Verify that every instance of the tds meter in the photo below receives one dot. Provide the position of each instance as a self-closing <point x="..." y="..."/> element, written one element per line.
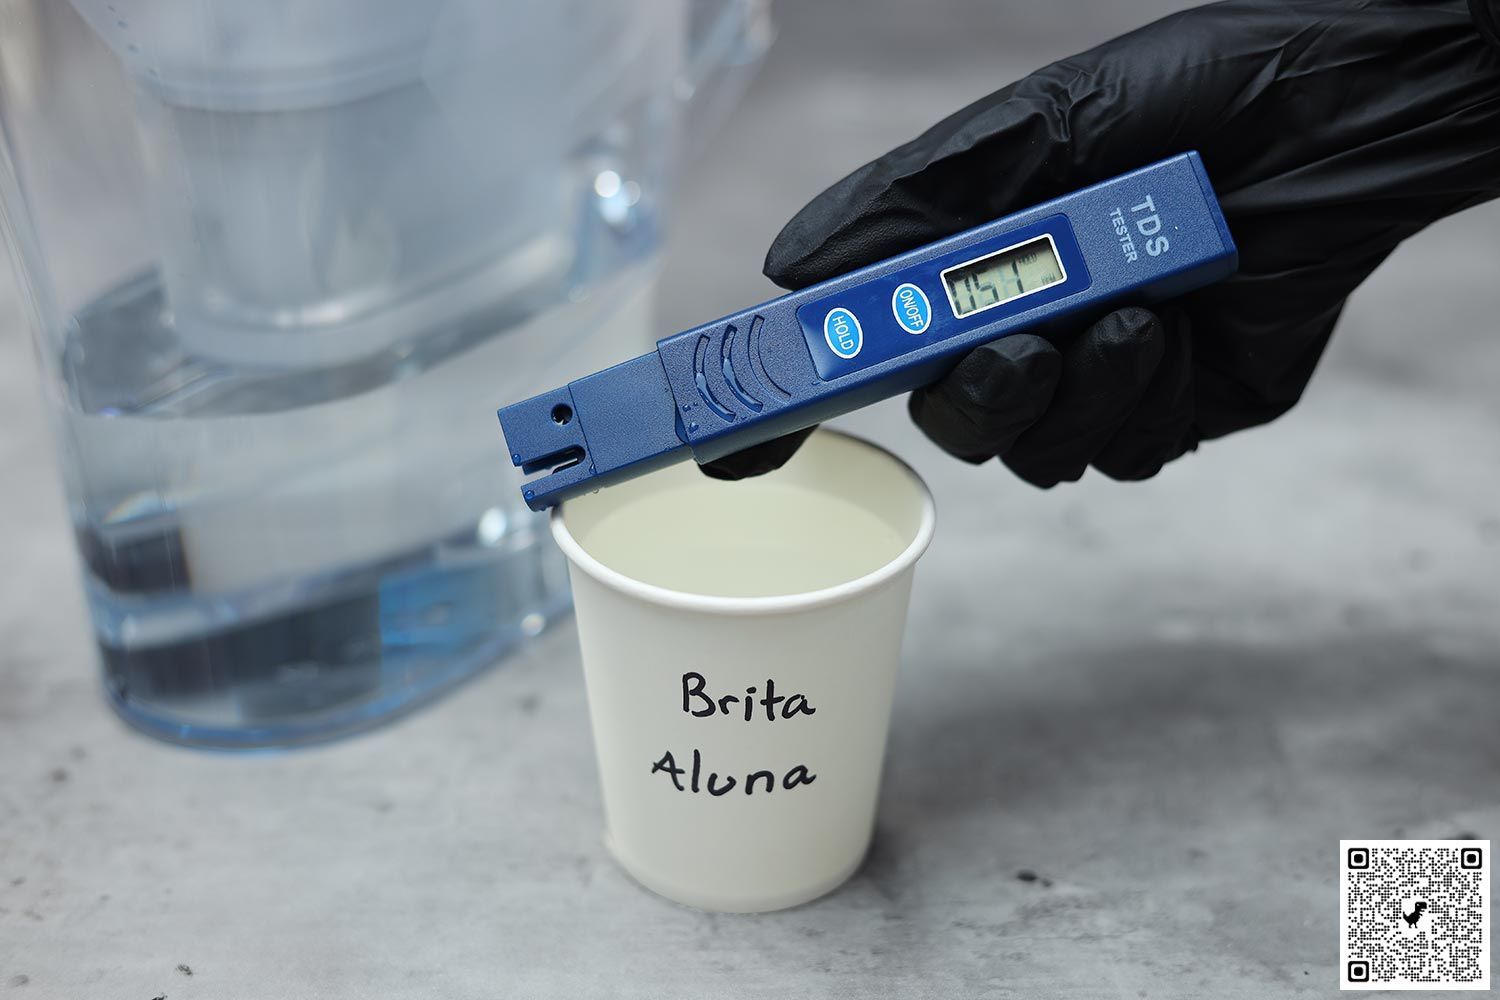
<point x="1145" y="236"/>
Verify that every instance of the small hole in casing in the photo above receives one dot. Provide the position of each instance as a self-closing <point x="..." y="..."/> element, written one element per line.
<point x="562" y="413"/>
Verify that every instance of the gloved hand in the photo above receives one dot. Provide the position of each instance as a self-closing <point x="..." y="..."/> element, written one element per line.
<point x="1332" y="130"/>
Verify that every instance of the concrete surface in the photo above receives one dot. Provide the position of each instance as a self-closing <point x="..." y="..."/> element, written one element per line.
<point x="1169" y="700"/>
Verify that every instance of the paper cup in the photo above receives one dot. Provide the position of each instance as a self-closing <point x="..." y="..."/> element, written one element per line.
<point x="740" y="644"/>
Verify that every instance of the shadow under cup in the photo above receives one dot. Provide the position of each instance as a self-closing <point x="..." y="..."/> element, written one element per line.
<point x="740" y="644"/>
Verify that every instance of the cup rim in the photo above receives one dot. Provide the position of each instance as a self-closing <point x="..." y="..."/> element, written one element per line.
<point x="774" y="604"/>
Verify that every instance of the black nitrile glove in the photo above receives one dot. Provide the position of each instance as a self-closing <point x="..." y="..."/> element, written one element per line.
<point x="1332" y="130"/>
<point x="1487" y="17"/>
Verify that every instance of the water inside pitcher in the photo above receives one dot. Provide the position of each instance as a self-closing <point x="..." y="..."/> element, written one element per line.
<point x="283" y="260"/>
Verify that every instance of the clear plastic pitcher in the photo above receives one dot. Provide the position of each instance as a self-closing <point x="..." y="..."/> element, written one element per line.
<point x="282" y="260"/>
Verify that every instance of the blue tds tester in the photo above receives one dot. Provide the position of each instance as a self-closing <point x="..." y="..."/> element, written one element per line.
<point x="1148" y="235"/>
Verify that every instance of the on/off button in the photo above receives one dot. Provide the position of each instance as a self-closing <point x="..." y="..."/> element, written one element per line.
<point x="911" y="308"/>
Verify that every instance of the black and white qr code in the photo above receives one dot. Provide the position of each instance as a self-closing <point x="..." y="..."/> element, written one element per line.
<point x="1414" y="914"/>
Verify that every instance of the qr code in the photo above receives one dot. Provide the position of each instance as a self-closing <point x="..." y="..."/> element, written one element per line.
<point x="1414" y="915"/>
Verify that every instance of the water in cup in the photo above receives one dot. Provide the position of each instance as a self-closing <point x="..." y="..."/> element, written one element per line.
<point x="800" y="540"/>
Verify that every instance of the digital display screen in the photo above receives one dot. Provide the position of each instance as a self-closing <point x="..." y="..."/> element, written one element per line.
<point x="990" y="281"/>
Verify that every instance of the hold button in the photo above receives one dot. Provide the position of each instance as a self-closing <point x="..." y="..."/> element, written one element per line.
<point x="842" y="332"/>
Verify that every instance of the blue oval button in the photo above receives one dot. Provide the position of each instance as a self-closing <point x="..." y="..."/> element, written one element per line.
<point x="911" y="307"/>
<point x="841" y="330"/>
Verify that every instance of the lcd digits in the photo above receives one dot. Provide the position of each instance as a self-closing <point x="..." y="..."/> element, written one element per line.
<point x="1001" y="277"/>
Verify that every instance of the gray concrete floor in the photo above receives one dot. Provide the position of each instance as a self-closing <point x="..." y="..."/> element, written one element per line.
<point x="1169" y="699"/>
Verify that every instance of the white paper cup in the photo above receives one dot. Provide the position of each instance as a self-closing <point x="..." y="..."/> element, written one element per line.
<point x="691" y="592"/>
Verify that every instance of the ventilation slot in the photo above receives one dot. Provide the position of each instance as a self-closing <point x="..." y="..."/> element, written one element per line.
<point x="730" y="378"/>
<point x="757" y="363"/>
<point x="700" y="355"/>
